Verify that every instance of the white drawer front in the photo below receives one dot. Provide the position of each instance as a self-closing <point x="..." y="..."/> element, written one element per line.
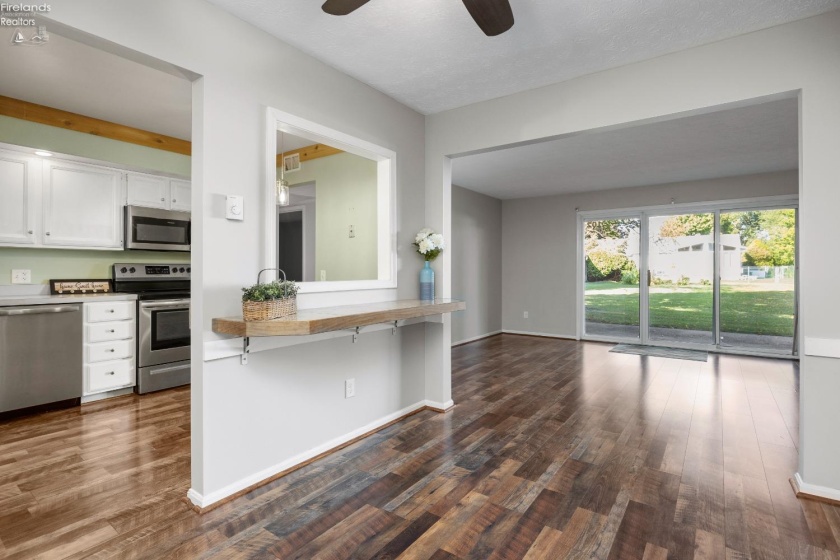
<point x="106" y="351"/>
<point x="116" y="330"/>
<point x="109" y="311"/>
<point x="110" y="375"/>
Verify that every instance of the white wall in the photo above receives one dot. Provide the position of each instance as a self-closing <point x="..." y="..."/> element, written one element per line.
<point x="541" y="236"/>
<point x="247" y="420"/>
<point x="799" y="59"/>
<point x="476" y="247"/>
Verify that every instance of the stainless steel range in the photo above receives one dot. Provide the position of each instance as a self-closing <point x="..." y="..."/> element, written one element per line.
<point x="163" y="321"/>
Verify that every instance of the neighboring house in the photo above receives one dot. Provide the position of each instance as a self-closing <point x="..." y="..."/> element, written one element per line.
<point x="693" y="256"/>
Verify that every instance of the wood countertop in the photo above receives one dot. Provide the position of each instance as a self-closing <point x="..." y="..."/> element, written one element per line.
<point x="343" y="317"/>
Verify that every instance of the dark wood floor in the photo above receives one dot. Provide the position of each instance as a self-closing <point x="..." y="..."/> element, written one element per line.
<point x="556" y="449"/>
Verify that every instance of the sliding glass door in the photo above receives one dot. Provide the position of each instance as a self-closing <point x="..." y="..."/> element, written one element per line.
<point x="710" y="277"/>
<point x="611" y="283"/>
<point x="758" y="280"/>
<point x="681" y="271"/>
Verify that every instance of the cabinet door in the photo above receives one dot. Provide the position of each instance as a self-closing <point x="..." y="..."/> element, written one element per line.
<point x="82" y="205"/>
<point x="180" y="194"/>
<point x="147" y="190"/>
<point x="17" y="201"/>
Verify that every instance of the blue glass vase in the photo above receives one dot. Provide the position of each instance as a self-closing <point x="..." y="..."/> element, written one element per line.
<point x="427" y="283"/>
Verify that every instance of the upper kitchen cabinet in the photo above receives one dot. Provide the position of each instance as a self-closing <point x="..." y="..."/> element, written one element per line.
<point x="19" y="181"/>
<point x="153" y="191"/>
<point x="180" y="195"/>
<point x="82" y="205"/>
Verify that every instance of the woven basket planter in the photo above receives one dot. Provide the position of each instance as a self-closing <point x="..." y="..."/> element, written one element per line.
<point x="267" y="310"/>
<point x="272" y="308"/>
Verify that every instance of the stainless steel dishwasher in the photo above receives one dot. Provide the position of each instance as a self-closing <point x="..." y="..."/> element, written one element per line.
<point x="40" y="357"/>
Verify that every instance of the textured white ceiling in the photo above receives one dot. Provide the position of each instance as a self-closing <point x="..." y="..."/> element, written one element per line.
<point x="754" y="139"/>
<point x="75" y="77"/>
<point x="431" y="56"/>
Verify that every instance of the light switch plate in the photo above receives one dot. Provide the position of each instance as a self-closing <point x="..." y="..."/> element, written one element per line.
<point x="235" y="207"/>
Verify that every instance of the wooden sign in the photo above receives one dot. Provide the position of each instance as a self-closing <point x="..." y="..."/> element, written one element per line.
<point x="59" y="287"/>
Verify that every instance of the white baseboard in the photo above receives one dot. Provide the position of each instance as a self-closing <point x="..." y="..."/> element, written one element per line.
<point x="439" y="405"/>
<point x="107" y="395"/>
<point x="822" y="347"/>
<point x="479" y="337"/>
<point x="206" y="500"/>
<point x="816" y="490"/>
<point x="545" y="335"/>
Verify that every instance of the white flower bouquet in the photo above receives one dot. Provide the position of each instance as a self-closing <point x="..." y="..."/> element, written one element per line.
<point x="429" y="244"/>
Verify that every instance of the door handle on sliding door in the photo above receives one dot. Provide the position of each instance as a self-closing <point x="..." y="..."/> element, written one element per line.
<point x="649" y="278"/>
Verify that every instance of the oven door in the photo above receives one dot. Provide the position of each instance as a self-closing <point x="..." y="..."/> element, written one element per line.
<point x="163" y="331"/>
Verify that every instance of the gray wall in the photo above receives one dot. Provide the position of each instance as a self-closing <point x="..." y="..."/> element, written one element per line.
<point x="539" y="245"/>
<point x="477" y="263"/>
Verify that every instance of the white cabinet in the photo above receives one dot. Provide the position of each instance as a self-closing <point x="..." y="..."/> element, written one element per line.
<point x="109" y="346"/>
<point x="153" y="191"/>
<point x="147" y="190"/>
<point x="81" y="205"/>
<point x="180" y="195"/>
<point x="19" y="179"/>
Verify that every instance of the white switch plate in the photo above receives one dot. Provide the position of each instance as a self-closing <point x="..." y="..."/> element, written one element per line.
<point x="234" y="207"/>
<point x="349" y="388"/>
<point x="352" y="231"/>
<point x="323" y="276"/>
<point x="21" y="276"/>
<point x="524" y="314"/>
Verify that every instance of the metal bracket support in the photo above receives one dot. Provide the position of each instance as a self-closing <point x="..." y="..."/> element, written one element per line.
<point x="356" y="334"/>
<point x="394" y="328"/>
<point x="246" y="345"/>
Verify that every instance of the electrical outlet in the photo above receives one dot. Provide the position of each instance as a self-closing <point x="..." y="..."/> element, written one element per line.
<point x="525" y="314"/>
<point x="352" y="231"/>
<point x="349" y="388"/>
<point x="323" y="276"/>
<point x="21" y="276"/>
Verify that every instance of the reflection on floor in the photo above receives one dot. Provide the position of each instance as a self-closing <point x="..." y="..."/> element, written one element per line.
<point x="555" y="449"/>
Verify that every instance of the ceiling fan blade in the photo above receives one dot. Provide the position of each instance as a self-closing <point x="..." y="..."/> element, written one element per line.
<point x="494" y="17"/>
<point x="342" y="7"/>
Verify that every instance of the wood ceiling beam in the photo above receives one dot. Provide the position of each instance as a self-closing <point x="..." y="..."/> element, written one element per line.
<point x="307" y="153"/>
<point x="42" y="114"/>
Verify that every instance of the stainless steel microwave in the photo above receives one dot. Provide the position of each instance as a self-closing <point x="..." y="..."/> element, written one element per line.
<point x="153" y="229"/>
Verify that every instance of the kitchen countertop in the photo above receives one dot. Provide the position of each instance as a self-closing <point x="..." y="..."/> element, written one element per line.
<point x="6" y="301"/>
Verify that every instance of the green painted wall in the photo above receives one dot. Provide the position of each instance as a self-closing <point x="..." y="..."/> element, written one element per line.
<point x="63" y="141"/>
<point x="345" y="194"/>
<point x="73" y="263"/>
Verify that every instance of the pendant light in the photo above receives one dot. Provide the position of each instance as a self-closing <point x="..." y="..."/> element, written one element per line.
<point x="282" y="189"/>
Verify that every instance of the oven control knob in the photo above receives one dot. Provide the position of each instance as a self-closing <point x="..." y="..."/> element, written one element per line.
<point x="132" y="270"/>
<point x="188" y="269"/>
<point x="181" y="269"/>
<point x="123" y="270"/>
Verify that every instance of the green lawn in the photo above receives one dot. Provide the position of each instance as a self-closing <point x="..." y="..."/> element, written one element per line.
<point x="745" y="308"/>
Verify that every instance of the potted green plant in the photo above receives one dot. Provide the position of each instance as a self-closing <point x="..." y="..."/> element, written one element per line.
<point x="272" y="300"/>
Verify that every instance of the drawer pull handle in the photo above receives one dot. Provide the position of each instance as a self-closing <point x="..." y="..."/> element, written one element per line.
<point x="110" y="350"/>
<point x="109" y="311"/>
<point x="109" y="373"/>
<point x="110" y="331"/>
<point x="163" y="200"/>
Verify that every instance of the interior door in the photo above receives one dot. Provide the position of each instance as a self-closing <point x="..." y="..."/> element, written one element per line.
<point x="290" y="244"/>
<point x="680" y="279"/>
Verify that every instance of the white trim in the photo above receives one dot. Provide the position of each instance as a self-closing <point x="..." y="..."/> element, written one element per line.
<point x="542" y="334"/>
<point x="734" y="205"/>
<point x="386" y="197"/>
<point x="438" y="405"/>
<point x="479" y="337"/>
<point x="107" y="395"/>
<point x="230" y="347"/>
<point x="822" y="347"/>
<point x="816" y="490"/>
<point x="204" y="501"/>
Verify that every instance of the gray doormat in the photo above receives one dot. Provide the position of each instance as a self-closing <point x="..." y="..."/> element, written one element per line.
<point x="660" y="352"/>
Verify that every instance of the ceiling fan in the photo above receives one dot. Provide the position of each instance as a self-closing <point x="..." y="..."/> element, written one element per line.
<point x="494" y="17"/>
